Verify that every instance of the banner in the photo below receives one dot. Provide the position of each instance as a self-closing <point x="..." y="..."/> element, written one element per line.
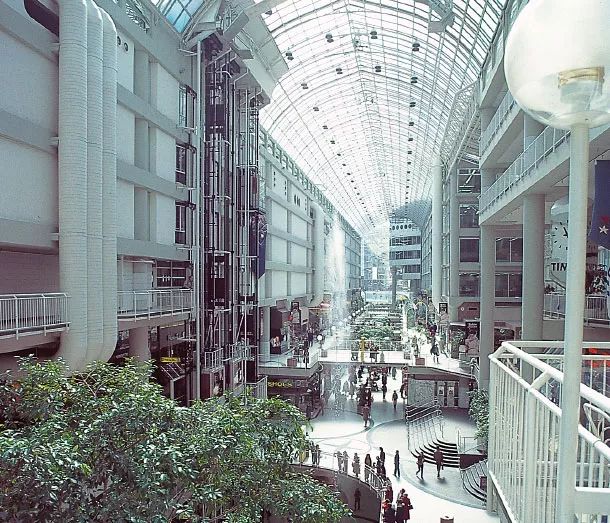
<point x="472" y="337"/>
<point x="600" y="221"/>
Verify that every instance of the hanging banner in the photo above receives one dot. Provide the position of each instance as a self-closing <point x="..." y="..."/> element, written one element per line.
<point x="472" y="336"/>
<point x="600" y="221"/>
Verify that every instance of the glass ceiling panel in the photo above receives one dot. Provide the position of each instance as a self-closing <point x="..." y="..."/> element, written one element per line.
<point x="363" y="108"/>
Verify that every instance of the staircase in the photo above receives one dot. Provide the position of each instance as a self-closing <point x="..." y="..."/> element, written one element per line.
<point x="451" y="457"/>
<point x="471" y="480"/>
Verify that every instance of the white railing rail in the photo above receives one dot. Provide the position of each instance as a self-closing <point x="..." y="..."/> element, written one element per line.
<point x="546" y="143"/>
<point x="153" y="302"/>
<point x="22" y="314"/>
<point x="239" y="351"/>
<point x="258" y="389"/>
<point x="596" y="307"/>
<point x="525" y="394"/>
<point x="212" y="359"/>
<point x="506" y="105"/>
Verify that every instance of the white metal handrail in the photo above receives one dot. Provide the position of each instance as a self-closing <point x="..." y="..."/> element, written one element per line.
<point x="153" y="302"/>
<point x="239" y="351"/>
<point x="22" y="314"/>
<point x="596" y="307"/>
<point x="525" y="392"/>
<point x="506" y="105"/>
<point x="212" y="359"/>
<point x="546" y="142"/>
<point x="258" y="389"/>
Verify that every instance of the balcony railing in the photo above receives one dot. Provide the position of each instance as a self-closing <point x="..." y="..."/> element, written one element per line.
<point x="154" y="302"/>
<point x="258" y="389"/>
<point x="545" y="144"/>
<point x="212" y="359"/>
<point x="596" y="307"/>
<point x="237" y="352"/>
<point x="525" y="398"/>
<point x="506" y="105"/>
<point x="23" y="314"/>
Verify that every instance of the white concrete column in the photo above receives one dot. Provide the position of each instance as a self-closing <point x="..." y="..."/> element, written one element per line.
<point x="454" y="251"/>
<point x="437" y="232"/>
<point x="265" y="346"/>
<point x="488" y="300"/>
<point x="138" y="344"/>
<point x="141" y="77"/>
<point x="394" y="284"/>
<point x="533" y="267"/>
<point x="141" y="208"/>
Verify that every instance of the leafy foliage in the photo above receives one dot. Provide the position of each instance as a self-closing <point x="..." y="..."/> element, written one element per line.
<point x="479" y="412"/>
<point x="105" y="445"/>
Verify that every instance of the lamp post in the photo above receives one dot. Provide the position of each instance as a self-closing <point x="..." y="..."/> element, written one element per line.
<point x="557" y="66"/>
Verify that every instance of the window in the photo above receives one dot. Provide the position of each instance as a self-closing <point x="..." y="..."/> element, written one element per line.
<point x="186" y="107"/>
<point x="469" y="284"/>
<point x="469" y="218"/>
<point x="509" y="249"/>
<point x="411" y="269"/>
<point x="184" y="164"/>
<point x="180" y="234"/>
<point x="405" y="255"/>
<point x="469" y="249"/>
<point x="469" y="181"/>
<point x="508" y="285"/>
<point x="171" y="274"/>
<point x="405" y="240"/>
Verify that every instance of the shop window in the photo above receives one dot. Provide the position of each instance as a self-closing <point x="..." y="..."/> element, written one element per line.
<point x="469" y="249"/>
<point x="469" y="284"/>
<point x="469" y="216"/>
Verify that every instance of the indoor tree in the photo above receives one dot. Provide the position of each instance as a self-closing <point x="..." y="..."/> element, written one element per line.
<point x="105" y="445"/>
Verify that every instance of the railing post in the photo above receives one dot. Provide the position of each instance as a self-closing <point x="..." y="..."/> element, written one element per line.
<point x="44" y="313"/>
<point x="16" y="317"/>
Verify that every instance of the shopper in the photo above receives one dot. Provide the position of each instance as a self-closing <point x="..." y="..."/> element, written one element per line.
<point x="420" y="464"/>
<point x="389" y="491"/>
<point x="384" y="390"/>
<point x="368" y="467"/>
<point x="356" y="465"/>
<point x="438" y="459"/>
<point x="357" y="496"/>
<point x="339" y="456"/>
<point x="395" y="399"/>
<point x="366" y="413"/>
<point x="434" y="352"/>
<point x="381" y="455"/>
<point x="389" y="515"/>
<point x="408" y="507"/>
<point x="393" y="373"/>
<point x="400" y="512"/>
<point x="318" y="454"/>
<point x="396" y="464"/>
<point x="345" y="461"/>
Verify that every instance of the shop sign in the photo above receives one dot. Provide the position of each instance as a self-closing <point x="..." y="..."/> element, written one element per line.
<point x="170" y="359"/>
<point x="284" y="384"/>
<point x="443" y="311"/>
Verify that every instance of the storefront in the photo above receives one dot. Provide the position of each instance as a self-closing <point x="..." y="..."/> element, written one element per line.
<point x="301" y="392"/>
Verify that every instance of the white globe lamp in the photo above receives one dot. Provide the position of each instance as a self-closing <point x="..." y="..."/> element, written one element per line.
<point x="557" y="66"/>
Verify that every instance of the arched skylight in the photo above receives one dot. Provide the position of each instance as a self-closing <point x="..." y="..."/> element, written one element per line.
<point x="364" y="106"/>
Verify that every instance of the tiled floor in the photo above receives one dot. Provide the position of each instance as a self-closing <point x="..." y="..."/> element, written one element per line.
<point x="431" y="498"/>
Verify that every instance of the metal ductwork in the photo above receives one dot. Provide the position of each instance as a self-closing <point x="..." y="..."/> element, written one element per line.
<point x="109" y="190"/>
<point x="87" y="180"/>
<point x="95" y="116"/>
<point x="318" y="256"/>
<point x="72" y="178"/>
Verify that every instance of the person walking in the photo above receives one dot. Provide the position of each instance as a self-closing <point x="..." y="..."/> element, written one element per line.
<point x="434" y="352"/>
<point x="357" y="496"/>
<point x="397" y="464"/>
<point x="339" y="456"/>
<point x="408" y="507"/>
<point x="395" y="399"/>
<point x="366" y="413"/>
<point x="393" y="373"/>
<point x="384" y="390"/>
<point x="389" y="515"/>
<point x="438" y="459"/>
<point x="389" y="491"/>
<point x="318" y="454"/>
<point x="356" y="465"/>
<point x="420" y="464"/>
<point x="381" y="455"/>
<point x="345" y="461"/>
<point x="368" y="467"/>
<point x="400" y="512"/>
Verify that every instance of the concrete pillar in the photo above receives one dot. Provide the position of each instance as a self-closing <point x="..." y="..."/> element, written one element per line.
<point x="265" y="345"/>
<point x="488" y="300"/>
<point x="141" y="219"/>
<point x="437" y="232"/>
<point x="142" y="145"/>
<point x="393" y="271"/>
<point x="138" y="344"/>
<point x="141" y="77"/>
<point x="533" y="267"/>
<point x="454" y="251"/>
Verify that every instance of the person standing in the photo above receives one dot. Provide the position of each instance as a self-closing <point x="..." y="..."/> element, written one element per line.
<point x="395" y="399"/>
<point x="397" y="464"/>
<point x="393" y="373"/>
<point x="381" y="455"/>
<point x="438" y="459"/>
<point x="389" y="491"/>
<point x="318" y="454"/>
<point x="384" y="390"/>
<point x="339" y="460"/>
<point x="357" y="496"/>
<point x="356" y="465"/>
<point x="408" y="507"/>
<point x="368" y="467"/>
<point x="345" y="461"/>
<point x="420" y="464"/>
<point x="366" y="413"/>
<point x="434" y="352"/>
<point x="400" y="512"/>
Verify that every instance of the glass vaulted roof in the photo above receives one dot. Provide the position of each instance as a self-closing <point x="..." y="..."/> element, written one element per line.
<point x="366" y="101"/>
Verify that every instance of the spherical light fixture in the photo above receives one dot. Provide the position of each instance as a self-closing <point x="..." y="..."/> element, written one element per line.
<point x="557" y="62"/>
<point x="319" y="337"/>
